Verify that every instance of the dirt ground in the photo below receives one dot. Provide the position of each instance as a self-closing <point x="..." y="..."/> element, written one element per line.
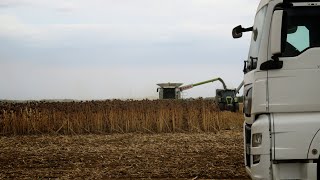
<point x="124" y="156"/>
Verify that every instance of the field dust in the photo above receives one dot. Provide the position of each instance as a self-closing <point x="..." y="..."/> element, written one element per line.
<point x="124" y="156"/>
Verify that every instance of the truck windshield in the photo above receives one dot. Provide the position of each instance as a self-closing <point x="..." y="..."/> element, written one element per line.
<point x="303" y="30"/>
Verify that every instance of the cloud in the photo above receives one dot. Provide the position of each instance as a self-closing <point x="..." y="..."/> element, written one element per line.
<point x="58" y="6"/>
<point x="30" y="81"/>
<point x="10" y="3"/>
<point x="118" y="49"/>
<point x="12" y="27"/>
<point x="139" y="20"/>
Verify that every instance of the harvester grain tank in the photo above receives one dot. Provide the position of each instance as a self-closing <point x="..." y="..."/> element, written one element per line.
<point x="169" y="90"/>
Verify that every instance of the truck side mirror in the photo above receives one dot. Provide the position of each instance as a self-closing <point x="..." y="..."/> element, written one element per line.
<point x="276" y="33"/>
<point x="237" y="32"/>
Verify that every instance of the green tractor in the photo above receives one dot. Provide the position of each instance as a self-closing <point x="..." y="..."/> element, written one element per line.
<point x="227" y="100"/>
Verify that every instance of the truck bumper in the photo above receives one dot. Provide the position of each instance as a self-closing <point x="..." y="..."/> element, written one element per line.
<point x="260" y="170"/>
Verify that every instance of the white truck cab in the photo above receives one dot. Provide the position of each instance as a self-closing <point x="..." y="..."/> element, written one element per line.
<point x="282" y="91"/>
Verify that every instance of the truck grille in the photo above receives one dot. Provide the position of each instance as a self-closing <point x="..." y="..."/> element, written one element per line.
<point x="248" y="144"/>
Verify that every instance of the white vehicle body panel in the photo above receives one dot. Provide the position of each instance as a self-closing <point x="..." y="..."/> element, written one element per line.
<point x="298" y="80"/>
<point x="263" y="150"/>
<point x="305" y="171"/>
<point x="315" y="145"/>
<point x="284" y="107"/>
<point x="293" y="134"/>
<point x="260" y="104"/>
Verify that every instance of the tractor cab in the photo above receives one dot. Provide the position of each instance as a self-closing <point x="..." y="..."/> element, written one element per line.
<point x="226" y="100"/>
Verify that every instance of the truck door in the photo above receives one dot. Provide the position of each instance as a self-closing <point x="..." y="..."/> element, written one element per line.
<point x="295" y="87"/>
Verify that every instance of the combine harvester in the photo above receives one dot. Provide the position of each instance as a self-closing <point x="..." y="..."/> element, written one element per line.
<point x="226" y="98"/>
<point x="281" y="91"/>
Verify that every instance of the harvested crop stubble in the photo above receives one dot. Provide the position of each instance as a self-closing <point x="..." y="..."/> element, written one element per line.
<point x="115" y="116"/>
<point x="124" y="156"/>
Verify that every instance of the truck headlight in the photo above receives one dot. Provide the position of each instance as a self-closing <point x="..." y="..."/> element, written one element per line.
<point x="256" y="139"/>
<point x="235" y="99"/>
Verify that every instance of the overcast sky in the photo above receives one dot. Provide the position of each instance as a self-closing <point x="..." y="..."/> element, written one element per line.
<point x="105" y="49"/>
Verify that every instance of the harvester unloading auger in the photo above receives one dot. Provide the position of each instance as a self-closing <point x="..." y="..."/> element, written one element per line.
<point x="225" y="98"/>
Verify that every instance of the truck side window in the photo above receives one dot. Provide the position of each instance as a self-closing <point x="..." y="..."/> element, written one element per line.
<point x="297" y="41"/>
<point x="302" y="30"/>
